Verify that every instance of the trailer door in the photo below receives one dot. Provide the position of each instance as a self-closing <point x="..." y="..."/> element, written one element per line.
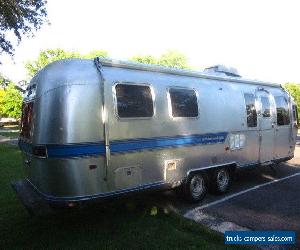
<point x="266" y="119"/>
<point x="284" y="137"/>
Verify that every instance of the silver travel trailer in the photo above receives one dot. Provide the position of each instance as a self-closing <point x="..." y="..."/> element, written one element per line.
<point x="99" y="128"/>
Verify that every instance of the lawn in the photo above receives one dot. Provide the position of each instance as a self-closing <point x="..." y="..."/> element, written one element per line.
<point x="10" y="134"/>
<point x="11" y="131"/>
<point x="125" y="224"/>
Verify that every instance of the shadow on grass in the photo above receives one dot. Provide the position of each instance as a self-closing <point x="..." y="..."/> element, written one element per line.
<point x="124" y="223"/>
<point x="121" y="224"/>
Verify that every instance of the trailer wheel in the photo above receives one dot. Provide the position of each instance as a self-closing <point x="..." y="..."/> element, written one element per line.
<point x="221" y="180"/>
<point x="195" y="187"/>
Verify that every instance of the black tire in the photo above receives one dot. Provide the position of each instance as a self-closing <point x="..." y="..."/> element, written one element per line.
<point x="195" y="187"/>
<point x="221" y="180"/>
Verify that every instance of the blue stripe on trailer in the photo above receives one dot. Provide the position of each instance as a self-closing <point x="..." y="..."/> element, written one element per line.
<point x="165" y="142"/>
<point x="70" y="150"/>
<point x="75" y="150"/>
<point x="123" y="146"/>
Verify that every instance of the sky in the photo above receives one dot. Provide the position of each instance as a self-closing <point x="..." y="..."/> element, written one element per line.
<point x="261" y="39"/>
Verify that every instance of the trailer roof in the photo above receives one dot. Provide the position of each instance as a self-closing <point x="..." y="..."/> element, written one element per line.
<point x="181" y="72"/>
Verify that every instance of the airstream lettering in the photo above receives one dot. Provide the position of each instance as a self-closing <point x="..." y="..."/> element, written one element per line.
<point x="95" y="129"/>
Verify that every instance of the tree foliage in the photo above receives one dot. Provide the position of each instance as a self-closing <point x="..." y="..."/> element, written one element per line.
<point x="95" y="53"/>
<point x="148" y="59"/>
<point x="4" y="82"/>
<point x="294" y="91"/>
<point x="10" y="102"/>
<point x="10" y="99"/>
<point x="47" y="56"/>
<point x="20" y="17"/>
<point x="171" y="58"/>
<point x="174" y="59"/>
<point x="50" y="55"/>
<point x="2" y="94"/>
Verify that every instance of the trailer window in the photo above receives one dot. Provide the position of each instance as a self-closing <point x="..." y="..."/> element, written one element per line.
<point x="26" y="120"/>
<point x="282" y="108"/>
<point x="183" y="102"/>
<point x="265" y="106"/>
<point x="295" y="113"/>
<point x="134" y="100"/>
<point x="250" y="110"/>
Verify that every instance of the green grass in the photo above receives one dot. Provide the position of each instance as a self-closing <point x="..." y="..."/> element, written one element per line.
<point x="10" y="134"/>
<point x="108" y="226"/>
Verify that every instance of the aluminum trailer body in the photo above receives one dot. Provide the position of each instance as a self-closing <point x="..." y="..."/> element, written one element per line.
<point x="95" y="129"/>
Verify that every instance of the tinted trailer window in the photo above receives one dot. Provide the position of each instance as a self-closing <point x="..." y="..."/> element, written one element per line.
<point x="183" y="102"/>
<point x="295" y="113"/>
<point x="282" y="108"/>
<point x="26" y="120"/>
<point x="265" y="107"/>
<point x="134" y="101"/>
<point x="250" y="110"/>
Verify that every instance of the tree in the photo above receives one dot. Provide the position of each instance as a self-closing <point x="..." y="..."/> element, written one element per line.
<point x="19" y="17"/>
<point x="171" y="58"/>
<point x="175" y="59"/>
<point x="95" y="53"/>
<point x="294" y="91"/>
<point x="47" y="56"/>
<point x="148" y="59"/>
<point x="50" y="55"/>
<point x="2" y="94"/>
<point x="4" y="82"/>
<point x="22" y="85"/>
<point x="10" y="102"/>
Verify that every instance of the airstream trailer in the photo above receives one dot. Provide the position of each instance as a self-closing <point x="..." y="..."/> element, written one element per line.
<point x="100" y="128"/>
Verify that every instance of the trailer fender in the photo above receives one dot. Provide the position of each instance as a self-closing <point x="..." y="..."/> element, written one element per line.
<point x="211" y="171"/>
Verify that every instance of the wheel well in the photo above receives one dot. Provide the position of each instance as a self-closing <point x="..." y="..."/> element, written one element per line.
<point x="209" y="170"/>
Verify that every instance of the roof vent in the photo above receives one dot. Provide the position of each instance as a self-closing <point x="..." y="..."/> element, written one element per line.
<point x="222" y="70"/>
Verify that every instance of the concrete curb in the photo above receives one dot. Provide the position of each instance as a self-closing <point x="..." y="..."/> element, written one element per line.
<point x="7" y="140"/>
<point x="4" y="139"/>
<point x="213" y="223"/>
<point x="219" y="225"/>
<point x="9" y="130"/>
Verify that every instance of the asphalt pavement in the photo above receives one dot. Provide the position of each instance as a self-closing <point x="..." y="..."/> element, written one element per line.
<point x="261" y="198"/>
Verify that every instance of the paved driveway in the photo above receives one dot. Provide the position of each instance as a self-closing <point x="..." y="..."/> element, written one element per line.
<point x="260" y="199"/>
